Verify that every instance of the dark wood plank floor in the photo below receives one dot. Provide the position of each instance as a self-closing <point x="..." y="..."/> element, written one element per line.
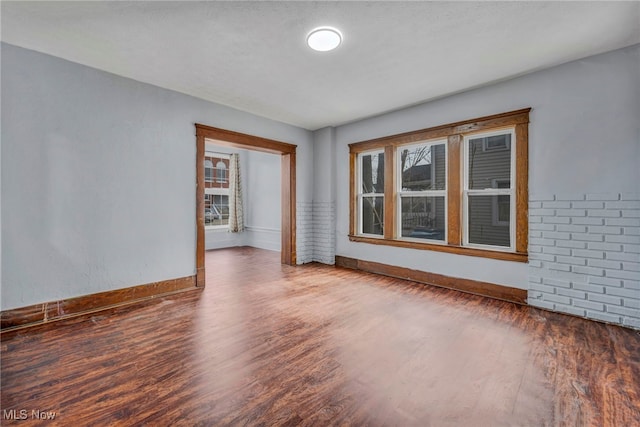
<point x="267" y="344"/>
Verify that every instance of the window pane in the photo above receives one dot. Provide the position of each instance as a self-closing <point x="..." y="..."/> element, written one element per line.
<point x="489" y="160"/>
<point x="373" y="215"/>
<point x="216" y="209"/>
<point x="489" y="220"/>
<point x="423" y="217"/>
<point x="208" y="171"/>
<point x="423" y="168"/>
<point x="373" y="173"/>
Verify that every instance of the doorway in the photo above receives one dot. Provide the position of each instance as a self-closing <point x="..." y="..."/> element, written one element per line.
<point x="233" y="139"/>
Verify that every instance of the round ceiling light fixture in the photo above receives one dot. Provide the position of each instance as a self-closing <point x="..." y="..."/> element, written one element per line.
<point x="324" y="39"/>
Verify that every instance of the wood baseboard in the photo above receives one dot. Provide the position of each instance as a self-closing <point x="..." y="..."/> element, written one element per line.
<point x="506" y="293"/>
<point x="39" y="314"/>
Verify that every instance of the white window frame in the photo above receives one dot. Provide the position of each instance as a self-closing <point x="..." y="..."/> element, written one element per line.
<point x="216" y="191"/>
<point x="466" y="192"/>
<point x="362" y="195"/>
<point x="424" y="193"/>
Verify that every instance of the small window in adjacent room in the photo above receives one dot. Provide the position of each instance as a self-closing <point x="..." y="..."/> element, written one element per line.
<point x="216" y="197"/>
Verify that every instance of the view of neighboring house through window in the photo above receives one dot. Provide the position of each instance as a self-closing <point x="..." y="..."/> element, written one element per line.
<point x="216" y="192"/>
<point x="371" y="195"/>
<point x="422" y="186"/>
<point x="488" y="192"/>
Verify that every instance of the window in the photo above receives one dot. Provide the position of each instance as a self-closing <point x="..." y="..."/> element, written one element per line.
<point x="208" y="171"/>
<point x="221" y="172"/>
<point x="421" y="193"/>
<point x="371" y="193"/>
<point x="216" y="197"/>
<point x="459" y="188"/>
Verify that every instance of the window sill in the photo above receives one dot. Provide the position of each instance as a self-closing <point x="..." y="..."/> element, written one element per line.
<point x="459" y="250"/>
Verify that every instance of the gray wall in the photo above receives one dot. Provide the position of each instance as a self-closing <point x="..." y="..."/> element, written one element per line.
<point x="98" y="177"/>
<point x="583" y="136"/>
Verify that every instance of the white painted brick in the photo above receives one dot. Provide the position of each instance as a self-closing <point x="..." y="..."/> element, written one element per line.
<point x="634" y="323"/>
<point x="631" y="284"/>
<point x="630" y="213"/>
<point x="556" y="204"/>
<point x="534" y="294"/>
<point x="629" y="204"/>
<point x="572" y="212"/>
<point x="556" y="220"/>
<point x="560" y="267"/>
<point x="571" y="310"/>
<point x="535" y="205"/>
<point x="587" y="237"/>
<point x="571" y="244"/>
<point x="542" y="212"/>
<point x="541" y="288"/>
<point x="535" y="219"/>
<point x="556" y="235"/>
<point x="571" y="260"/>
<point x="624" y="311"/>
<point x="534" y="249"/>
<point x="541" y="197"/>
<point x="535" y="279"/>
<point x="605" y="317"/>
<point x="612" y="265"/>
<point x="591" y="305"/>
<point x="632" y="231"/>
<point x="587" y="205"/>
<point x="629" y="196"/>
<point x="634" y="240"/>
<point x="605" y="229"/>
<point x="588" y="288"/>
<point x="542" y="227"/>
<point x="586" y="253"/>
<point x="632" y="303"/>
<point x="623" y="292"/>
<point x="623" y="222"/>
<point x="572" y="293"/>
<point x="606" y="281"/>
<point x="609" y="247"/>
<point x="542" y="257"/>
<point x="590" y="271"/>
<point x="571" y="228"/>
<point x="558" y="299"/>
<point x="541" y="242"/>
<point x="542" y="304"/>
<point x="556" y="282"/>
<point x="535" y="263"/>
<point x="605" y="213"/>
<point x="552" y="250"/>
<point x="631" y="266"/>
<point x="535" y="233"/>
<point x="603" y="196"/>
<point x="606" y="299"/>
<point x="632" y="249"/>
<point x="587" y="221"/>
<point x="621" y="256"/>
<point x="569" y="196"/>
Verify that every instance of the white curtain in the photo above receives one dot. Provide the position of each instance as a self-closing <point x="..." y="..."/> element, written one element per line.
<point x="236" y="213"/>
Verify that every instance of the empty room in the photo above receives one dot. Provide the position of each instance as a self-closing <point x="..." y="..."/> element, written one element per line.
<point x="315" y="213"/>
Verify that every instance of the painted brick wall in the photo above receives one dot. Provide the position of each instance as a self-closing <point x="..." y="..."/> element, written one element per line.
<point x="304" y="232"/>
<point x="324" y="236"/>
<point x="584" y="255"/>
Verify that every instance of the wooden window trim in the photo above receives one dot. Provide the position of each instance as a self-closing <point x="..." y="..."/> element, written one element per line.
<point x="454" y="133"/>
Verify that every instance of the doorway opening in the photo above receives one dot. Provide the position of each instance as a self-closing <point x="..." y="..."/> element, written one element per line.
<point x="233" y="139"/>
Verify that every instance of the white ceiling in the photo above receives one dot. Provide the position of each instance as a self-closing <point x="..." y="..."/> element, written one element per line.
<point x="252" y="55"/>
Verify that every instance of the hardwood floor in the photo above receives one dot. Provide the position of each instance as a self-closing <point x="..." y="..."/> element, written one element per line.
<point x="269" y="344"/>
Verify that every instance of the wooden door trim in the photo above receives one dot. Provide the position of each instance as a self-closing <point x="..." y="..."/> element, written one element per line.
<point x="244" y="141"/>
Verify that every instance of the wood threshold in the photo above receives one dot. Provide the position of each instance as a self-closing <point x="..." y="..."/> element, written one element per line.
<point x="491" y="290"/>
<point x="39" y="314"/>
<point x="458" y="250"/>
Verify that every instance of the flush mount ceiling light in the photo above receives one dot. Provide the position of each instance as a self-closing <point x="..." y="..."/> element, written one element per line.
<point x="324" y="39"/>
